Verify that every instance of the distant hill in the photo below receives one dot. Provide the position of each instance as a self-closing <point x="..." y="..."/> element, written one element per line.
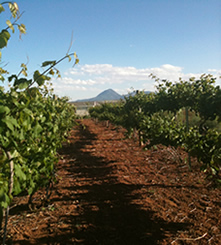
<point x="106" y="95"/>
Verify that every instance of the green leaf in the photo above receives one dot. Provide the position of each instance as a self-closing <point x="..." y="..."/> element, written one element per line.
<point x="51" y="72"/>
<point x="6" y="34"/>
<point x="55" y="128"/>
<point x="13" y="9"/>
<point x="8" y="22"/>
<point x="24" y="72"/>
<point x="22" y="29"/>
<point x="1" y="8"/>
<point x="37" y="129"/>
<point x="31" y="187"/>
<point x="23" y="66"/>
<point x="36" y="75"/>
<point x="4" y="109"/>
<point x="19" y="173"/>
<point x="4" y="201"/>
<point x="27" y="111"/>
<point x="12" y="77"/>
<point x="15" y="154"/>
<point x="4" y="37"/>
<point x="69" y="57"/>
<point x="16" y="188"/>
<point x="22" y="83"/>
<point x="39" y="78"/>
<point x="8" y="122"/>
<point x="47" y="63"/>
<point x="16" y="6"/>
<point x="2" y="78"/>
<point x="24" y="69"/>
<point x="76" y="61"/>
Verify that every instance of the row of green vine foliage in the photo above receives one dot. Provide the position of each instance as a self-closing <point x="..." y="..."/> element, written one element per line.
<point x="158" y="118"/>
<point x="33" y="123"/>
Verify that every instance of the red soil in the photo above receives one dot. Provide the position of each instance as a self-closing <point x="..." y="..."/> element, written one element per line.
<point x="110" y="191"/>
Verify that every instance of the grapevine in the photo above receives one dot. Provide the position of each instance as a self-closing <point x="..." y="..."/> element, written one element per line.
<point x="33" y="125"/>
<point x="160" y="119"/>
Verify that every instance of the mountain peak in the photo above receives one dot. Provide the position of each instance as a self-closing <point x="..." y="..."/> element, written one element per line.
<point x="106" y="95"/>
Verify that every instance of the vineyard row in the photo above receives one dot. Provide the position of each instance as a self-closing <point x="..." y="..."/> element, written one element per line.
<point x="184" y="114"/>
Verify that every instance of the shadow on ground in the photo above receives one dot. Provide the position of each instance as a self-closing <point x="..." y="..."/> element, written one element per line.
<point x="105" y="213"/>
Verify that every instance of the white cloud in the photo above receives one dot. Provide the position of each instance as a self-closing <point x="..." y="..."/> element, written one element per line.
<point x="116" y="74"/>
<point x="86" y="81"/>
<point x="71" y="81"/>
<point x="215" y="71"/>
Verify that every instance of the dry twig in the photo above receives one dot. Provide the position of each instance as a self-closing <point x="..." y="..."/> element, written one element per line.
<point x="190" y="239"/>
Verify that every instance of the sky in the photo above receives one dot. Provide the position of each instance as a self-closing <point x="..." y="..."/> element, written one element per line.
<point x="119" y="42"/>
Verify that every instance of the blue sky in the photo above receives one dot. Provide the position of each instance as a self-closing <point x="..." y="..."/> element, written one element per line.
<point x="119" y="42"/>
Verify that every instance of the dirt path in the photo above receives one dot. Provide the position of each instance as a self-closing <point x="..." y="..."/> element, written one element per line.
<point x="110" y="191"/>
